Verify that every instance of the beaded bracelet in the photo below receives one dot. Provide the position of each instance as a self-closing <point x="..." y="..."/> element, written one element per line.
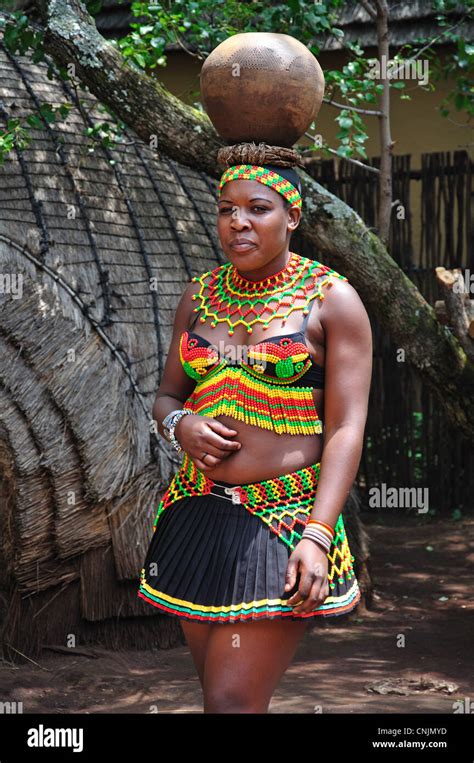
<point x="319" y="532"/>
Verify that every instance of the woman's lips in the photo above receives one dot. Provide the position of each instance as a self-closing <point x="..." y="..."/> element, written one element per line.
<point x="242" y="247"/>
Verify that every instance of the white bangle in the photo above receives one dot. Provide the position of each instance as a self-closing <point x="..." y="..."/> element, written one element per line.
<point x="317" y="536"/>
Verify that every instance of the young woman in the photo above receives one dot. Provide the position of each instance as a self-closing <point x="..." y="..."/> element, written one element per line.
<point x="267" y="397"/>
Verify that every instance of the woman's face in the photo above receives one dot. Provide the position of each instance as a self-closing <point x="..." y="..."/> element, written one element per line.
<point x="250" y="210"/>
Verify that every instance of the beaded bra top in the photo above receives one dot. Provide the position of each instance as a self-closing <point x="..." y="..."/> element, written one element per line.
<point x="271" y="384"/>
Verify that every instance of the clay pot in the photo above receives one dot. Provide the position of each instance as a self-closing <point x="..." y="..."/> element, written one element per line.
<point x="261" y="86"/>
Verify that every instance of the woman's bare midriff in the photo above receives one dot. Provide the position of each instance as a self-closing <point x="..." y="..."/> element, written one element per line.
<point x="264" y="453"/>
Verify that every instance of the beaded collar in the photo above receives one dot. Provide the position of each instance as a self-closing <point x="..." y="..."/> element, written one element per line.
<point x="231" y="298"/>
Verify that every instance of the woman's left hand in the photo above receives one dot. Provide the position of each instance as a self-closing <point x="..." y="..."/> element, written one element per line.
<point x="313" y="588"/>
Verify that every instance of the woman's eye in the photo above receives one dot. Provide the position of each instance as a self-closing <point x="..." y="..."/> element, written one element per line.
<point x="224" y="210"/>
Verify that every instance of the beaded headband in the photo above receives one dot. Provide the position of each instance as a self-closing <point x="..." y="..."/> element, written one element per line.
<point x="262" y="175"/>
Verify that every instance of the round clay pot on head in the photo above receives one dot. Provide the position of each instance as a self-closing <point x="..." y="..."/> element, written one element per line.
<point x="262" y="87"/>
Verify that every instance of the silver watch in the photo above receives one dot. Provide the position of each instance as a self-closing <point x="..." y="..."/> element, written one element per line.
<point x="167" y="421"/>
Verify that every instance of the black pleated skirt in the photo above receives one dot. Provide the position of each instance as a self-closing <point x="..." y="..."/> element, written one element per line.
<point x="211" y="560"/>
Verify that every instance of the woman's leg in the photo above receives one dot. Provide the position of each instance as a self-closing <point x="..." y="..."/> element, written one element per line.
<point x="197" y="636"/>
<point x="244" y="663"/>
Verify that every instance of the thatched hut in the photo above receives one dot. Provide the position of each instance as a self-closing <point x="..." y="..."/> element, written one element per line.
<point x="96" y="247"/>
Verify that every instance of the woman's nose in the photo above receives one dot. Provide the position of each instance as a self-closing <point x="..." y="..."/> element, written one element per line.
<point x="239" y="221"/>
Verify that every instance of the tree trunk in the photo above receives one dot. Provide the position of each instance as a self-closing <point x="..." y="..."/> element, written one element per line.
<point x="187" y="135"/>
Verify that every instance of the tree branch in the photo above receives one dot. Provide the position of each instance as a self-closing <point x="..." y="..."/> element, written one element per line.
<point x="458" y="307"/>
<point x="367" y="7"/>
<point x="367" y="112"/>
<point x="427" y="45"/>
<point x="311" y="158"/>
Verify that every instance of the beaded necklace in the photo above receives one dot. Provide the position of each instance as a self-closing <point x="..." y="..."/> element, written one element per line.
<point x="231" y="298"/>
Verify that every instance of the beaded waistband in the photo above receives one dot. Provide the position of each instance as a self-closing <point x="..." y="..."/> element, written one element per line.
<point x="284" y="502"/>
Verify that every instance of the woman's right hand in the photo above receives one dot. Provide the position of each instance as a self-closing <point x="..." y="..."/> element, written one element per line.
<point x="198" y="435"/>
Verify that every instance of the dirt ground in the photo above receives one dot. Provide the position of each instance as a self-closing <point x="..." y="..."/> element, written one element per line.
<point x="410" y="653"/>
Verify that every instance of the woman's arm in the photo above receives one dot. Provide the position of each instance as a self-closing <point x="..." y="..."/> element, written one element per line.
<point x="348" y="364"/>
<point x="176" y="385"/>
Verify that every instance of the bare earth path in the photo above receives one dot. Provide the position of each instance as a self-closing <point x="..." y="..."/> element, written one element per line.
<point x="414" y="645"/>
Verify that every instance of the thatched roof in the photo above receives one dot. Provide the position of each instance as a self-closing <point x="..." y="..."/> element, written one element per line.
<point x="82" y="351"/>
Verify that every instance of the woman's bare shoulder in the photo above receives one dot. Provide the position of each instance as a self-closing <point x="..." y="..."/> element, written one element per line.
<point x="342" y="305"/>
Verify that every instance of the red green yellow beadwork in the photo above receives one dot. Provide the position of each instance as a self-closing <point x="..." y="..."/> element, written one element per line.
<point x="230" y="298"/>
<point x="262" y="175"/>
<point x="235" y="391"/>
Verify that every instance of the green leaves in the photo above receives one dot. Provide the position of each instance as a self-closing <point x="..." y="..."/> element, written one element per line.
<point x="17" y="134"/>
<point x="13" y="135"/>
<point x="206" y="23"/>
<point x="18" y="36"/>
<point x="105" y="134"/>
<point x="457" y="65"/>
<point x="345" y="122"/>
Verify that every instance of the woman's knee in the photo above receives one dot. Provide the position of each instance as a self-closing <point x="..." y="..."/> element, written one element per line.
<point x="233" y="699"/>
